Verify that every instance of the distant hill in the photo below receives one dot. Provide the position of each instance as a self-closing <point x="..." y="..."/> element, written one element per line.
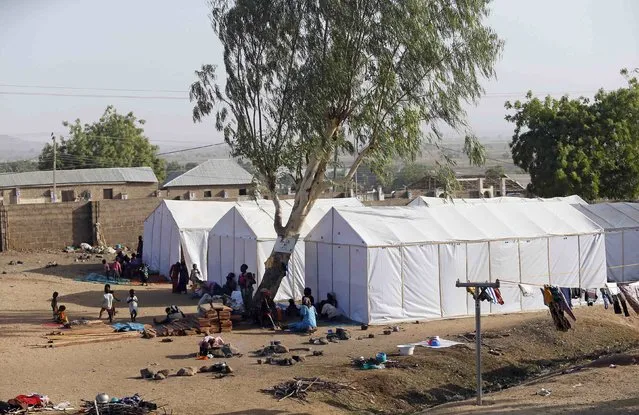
<point x="12" y="148"/>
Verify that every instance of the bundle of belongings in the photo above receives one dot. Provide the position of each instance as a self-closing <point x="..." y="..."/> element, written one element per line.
<point x="211" y="347"/>
<point x="31" y="402"/>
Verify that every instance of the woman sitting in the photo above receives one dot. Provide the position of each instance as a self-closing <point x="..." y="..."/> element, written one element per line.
<point x="309" y="318"/>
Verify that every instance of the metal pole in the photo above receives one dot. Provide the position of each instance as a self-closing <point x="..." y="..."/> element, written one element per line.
<point x="55" y="195"/>
<point x="478" y="345"/>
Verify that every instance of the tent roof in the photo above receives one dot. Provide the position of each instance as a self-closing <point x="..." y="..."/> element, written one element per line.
<point x="480" y="222"/>
<point x="612" y="216"/>
<point x="196" y="214"/>
<point x="438" y="201"/>
<point x="258" y="220"/>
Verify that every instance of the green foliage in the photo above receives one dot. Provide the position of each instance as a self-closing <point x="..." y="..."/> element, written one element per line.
<point x="305" y="79"/>
<point x="578" y="146"/>
<point x="18" y="166"/>
<point x="410" y="174"/>
<point x="495" y="172"/>
<point x="115" y="140"/>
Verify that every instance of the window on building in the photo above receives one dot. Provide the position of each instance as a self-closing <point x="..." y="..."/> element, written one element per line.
<point x="107" y="194"/>
<point x="68" y="195"/>
<point x="242" y="192"/>
<point x="207" y="193"/>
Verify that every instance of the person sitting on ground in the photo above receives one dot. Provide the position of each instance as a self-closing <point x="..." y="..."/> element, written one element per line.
<point x="230" y="285"/>
<point x="204" y="300"/>
<point x="116" y="269"/>
<point x="308" y="293"/>
<point x="292" y="310"/>
<point x="107" y="269"/>
<point x="61" y="317"/>
<point x="309" y="318"/>
<point x="54" y="304"/>
<point x="328" y="308"/>
<point x="108" y="303"/>
<point x="132" y="300"/>
<point x="173" y="313"/>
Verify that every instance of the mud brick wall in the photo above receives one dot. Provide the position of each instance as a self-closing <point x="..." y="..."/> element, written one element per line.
<point x="47" y="226"/>
<point x="122" y="221"/>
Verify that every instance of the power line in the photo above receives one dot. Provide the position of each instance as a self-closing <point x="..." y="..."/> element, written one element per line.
<point x="190" y="149"/>
<point x="94" y="89"/>
<point x="53" y="94"/>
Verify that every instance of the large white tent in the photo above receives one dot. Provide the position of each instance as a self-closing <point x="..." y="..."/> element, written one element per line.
<point x="245" y="235"/>
<point x="181" y="227"/>
<point x="438" y="201"/>
<point x="621" y="223"/>
<point x="401" y="263"/>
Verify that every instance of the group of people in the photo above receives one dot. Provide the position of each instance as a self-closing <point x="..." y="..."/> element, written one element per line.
<point x="59" y="311"/>
<point x="180" y="277"/>
<point x="126" y="267"/>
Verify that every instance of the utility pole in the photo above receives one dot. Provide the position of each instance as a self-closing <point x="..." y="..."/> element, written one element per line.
<point x="480" y="288"/>
<point x="55" y="194"/>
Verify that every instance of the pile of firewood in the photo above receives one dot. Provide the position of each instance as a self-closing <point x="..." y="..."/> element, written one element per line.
<point x="298" y="388"/>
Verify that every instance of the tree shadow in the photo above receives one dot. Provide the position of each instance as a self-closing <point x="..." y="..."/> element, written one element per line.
<point x="263" y="412"/>
<point x="71" y="271"/>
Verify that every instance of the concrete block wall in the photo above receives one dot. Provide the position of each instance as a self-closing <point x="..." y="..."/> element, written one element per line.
<point x="122" y="221"/>
<point x="55" y="226"/>
<point x="47" y="226"/>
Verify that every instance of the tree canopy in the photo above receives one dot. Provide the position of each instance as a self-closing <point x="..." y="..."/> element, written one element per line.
<point x="307" y="78"/>
<point x="580" y="146"/>
<point x="115" y="140"/>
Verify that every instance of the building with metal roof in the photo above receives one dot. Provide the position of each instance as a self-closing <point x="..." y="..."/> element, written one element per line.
<point x="78" y="185"/>
<point x="213" y="179"/>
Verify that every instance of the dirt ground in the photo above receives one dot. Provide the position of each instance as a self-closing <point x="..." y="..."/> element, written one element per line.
<point x="530" y="349"/>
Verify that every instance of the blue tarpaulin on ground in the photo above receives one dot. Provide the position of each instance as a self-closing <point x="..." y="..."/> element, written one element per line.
<point x="102" y="279"/>
<point x="128" y="326"/>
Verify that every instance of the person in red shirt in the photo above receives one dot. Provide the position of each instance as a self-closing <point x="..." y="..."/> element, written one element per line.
<point x="116" y="268"/>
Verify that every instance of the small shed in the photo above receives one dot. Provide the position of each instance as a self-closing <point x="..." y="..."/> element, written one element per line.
<point x="621" y="223"/>
<point x="401" y="263"/>
<point x="245" y="235"/>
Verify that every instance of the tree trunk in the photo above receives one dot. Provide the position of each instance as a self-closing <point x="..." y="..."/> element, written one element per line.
<point x="311" y="186"/>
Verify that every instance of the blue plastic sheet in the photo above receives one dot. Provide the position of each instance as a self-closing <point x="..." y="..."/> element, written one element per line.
<point x="128" y="326"/>
<point x="102" y="279"/>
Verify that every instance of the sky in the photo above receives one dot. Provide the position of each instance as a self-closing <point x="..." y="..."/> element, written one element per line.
<point x="557" y="47"/>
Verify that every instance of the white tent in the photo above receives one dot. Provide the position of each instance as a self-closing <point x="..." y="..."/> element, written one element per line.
<point x="401" y="264"/>
<point x="438" y="201"/>
<point x="179" y="227"/>
<point x="245" y="235"/>
<point x="621" y="223"/>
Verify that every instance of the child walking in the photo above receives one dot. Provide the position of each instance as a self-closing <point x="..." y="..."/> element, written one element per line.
<point x="54" y="305"/>
<point x="133" y="304"/>
<point x="107" y="303"/>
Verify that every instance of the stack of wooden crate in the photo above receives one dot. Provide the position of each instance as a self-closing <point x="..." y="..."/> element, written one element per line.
<point x="216" y="320"/>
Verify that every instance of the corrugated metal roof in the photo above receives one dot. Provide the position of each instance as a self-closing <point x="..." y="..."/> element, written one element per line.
<point x="217" y="172"/>
<point x="80" y="176"/>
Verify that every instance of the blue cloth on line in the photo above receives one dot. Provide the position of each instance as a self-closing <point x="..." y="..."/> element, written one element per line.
<point x="128" y="326"/>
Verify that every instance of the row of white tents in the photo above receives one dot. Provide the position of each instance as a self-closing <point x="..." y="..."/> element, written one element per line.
<point x="401" y="263"/>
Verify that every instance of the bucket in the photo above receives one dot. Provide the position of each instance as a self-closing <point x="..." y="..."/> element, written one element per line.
<point x="380" y="357"/>
<point x="406" y="349"/>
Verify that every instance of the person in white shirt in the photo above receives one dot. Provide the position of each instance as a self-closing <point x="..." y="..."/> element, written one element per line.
<point x="107" y="303"/>
<point x="133" y="304"/>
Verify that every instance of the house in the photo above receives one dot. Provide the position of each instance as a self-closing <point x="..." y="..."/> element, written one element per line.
<point x="78" y="185"/>
<point x="213" y="179"/>
<point x="471" y="186"/>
